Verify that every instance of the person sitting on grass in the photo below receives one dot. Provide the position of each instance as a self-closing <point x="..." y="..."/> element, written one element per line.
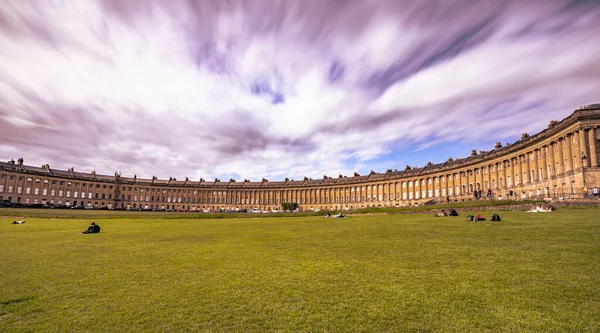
<point x="18" y="222"/>
<point x="479" y="218"/>
<point x="92" y="229"/>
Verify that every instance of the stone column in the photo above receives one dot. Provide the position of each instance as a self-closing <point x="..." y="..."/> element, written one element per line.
<point x="505" y="180"/>
<point x="569" y="156"/>
<point x="489" y="179"/>
<point x="520" y="169"/>
<point x="561" y="161"/>
<point x="536" y="168"/>
<point x="583" y="147"/>
<point x="528" y="157"/>
<point x="593" y="156"/>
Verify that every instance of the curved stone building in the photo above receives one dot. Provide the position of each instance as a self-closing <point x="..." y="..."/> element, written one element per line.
<point x="559" y="162"/>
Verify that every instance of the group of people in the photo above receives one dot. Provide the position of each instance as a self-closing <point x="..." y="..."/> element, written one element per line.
<point x="450" y="212"/>
<point x="542" y="209"/>
<point x="479" y="217"/>
<point x="328" y="215"/>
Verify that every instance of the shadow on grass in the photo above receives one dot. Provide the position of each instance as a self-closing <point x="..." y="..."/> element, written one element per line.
<point x="17" y="300"/>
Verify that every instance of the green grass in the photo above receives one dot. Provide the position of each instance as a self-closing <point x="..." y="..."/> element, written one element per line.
<point x="532" y="272"/>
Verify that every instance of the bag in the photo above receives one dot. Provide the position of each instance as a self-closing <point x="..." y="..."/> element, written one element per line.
<point x="496" y="217"/>
<point x="470" y="217"/>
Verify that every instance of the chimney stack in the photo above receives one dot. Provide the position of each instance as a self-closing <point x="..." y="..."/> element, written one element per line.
<point x="20" y="161"/>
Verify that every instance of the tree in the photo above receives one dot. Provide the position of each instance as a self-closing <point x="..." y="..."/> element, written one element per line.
<point x="289" y="206"/>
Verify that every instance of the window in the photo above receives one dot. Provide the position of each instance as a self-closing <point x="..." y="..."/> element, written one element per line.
<point x="29" y="180"/>
<point x="45" y="181"/>
<point x="28" y="190"/>
<point x="1" y="188"/>
<point x="10" y="189"/>
<point x="45" y="191"/>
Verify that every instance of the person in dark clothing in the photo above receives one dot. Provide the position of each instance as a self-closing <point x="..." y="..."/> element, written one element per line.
<point x="92" y="229"/>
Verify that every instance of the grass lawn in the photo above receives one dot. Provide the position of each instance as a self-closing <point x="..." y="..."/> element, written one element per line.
<point x="532" y="272"/>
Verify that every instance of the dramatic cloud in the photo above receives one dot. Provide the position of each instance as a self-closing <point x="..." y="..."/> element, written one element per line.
<point x="252" y="89"/>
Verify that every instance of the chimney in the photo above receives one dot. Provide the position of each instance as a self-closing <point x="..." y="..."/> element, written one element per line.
<point x="524" y="136"/>
<point x="429" y="163"/>
<point x="20" y="161"/>
<point x="473" y="152"/>
<point x="450" y="159"/>
<point x="498" y="145"/>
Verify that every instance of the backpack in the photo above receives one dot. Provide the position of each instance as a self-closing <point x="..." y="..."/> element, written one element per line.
<point x="470" y="218"/>
<point x="496" y="217"/>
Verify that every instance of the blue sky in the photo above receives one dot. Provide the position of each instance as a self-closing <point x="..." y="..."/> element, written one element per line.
<point x="274" y="89"/>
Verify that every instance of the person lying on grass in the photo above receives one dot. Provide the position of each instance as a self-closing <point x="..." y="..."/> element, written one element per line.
<point x="92" y="229"/>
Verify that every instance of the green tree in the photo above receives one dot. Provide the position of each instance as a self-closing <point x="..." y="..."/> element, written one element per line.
<point x="289" y="206"/>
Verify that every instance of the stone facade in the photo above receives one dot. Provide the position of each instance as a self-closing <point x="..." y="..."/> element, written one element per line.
<point x="562" y="161"/>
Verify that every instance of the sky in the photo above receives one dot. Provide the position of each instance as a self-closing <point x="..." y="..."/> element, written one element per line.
<point x="250" y="89"/>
